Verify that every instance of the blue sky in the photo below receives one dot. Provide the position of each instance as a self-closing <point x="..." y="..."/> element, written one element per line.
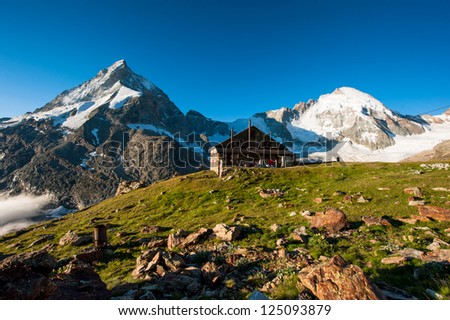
<point x="230" y="59"/>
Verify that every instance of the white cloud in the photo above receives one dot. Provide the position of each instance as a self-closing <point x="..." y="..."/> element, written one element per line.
<point x="16" y="212"/>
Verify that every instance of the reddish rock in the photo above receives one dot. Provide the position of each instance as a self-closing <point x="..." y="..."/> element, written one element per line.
<point x="151" y="229"/>
<point x="333" y="220"/>
<point x="417" y="192"/>
<point x="335" y="279"/>
<point x="79" y="282"/>
<point x="173" y="241"/>
<point x="347" y="199"/>
<point x="393" y="260"/>
<point x="226" y="233"/>
<point x="372" y="221"/>
<point x="89" y="255"/>
<point x="435" y="213"/>
<point x="414" y="219"/>
<point x="438" y="255"/>
<point x="318" y="200"/>
<point x="195" y="237"/>
<point x="24" y="276"/>
<point x="157" y="243"/>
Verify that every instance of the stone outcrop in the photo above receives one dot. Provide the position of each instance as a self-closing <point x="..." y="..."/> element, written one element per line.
<point x="415" y="191"/>
<point x="435" y="213"/>
<point x="71" y="238"/>
<point x="127" y="186"/>
<point x="227" y="233"/>
<point x="335" y="279"/>
<point x="333" y="220"/>
<point x="28" y="276"/>
<point x="195" y="237"/>
<point x="372" y="221"/>
<point x="79" y="282"/>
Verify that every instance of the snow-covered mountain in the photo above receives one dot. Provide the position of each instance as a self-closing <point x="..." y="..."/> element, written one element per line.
<point x="118" y="125"/>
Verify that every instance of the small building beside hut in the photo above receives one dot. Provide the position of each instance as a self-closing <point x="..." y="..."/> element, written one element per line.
<point x="250" y="148"/>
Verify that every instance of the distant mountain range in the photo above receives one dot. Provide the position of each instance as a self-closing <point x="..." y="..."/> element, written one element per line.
<point x="120" y="126"/>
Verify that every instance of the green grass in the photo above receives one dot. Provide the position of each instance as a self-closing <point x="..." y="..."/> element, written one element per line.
<point x="187" y="203"/>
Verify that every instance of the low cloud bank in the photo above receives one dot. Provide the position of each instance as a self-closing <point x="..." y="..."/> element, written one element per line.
<point x="17" y="212"/>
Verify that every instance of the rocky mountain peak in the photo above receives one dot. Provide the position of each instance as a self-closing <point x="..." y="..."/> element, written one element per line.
<point x="120" y="72"/>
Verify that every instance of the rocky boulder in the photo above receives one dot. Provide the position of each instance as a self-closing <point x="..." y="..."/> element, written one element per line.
<point x="372" y="221"/>
<point x="226" y="233"/>
<point x="415" y="191"/>
<point x="333" y="220"/>
<point x="71" y="238"/>
<point x="128" y="186"/>
<point x="335" y="279"/>
<point x="79" y="282"/>
<point x="195" y="237"/>
<point x="24" y="276"/>
<point x="435" y="213"/>
<point x="38" y="261"/>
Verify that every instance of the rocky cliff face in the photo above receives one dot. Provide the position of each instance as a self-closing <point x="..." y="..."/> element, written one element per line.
<point x="115" y="126"/>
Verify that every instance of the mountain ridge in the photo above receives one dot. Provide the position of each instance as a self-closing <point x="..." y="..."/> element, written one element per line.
<point x="120" y="126"/>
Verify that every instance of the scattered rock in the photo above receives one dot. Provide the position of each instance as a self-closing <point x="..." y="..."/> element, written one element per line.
<point x="42" y="239"/>
<point x="439" y="255"/>
<point x="89" y="256"/>
<point x="416" y="203"/>
<point x="318" y="200"/>
<point x="416" y="191"/>
<point x="361" y="199"/>
<point x="275" y="227"/>
<point x="270" y="193"/>
<point x="433" y="295"/>
<point x="338" y="193"/>
<point x="393" y="260"/>
<point x="335" y="279"/>
<point x="306" y="214"/>
<point x="26" y="276"/>
<point x="347" y="199"/>
<point x="414" y="219"/>
<point x="392" y="293"/>
<point x="435" y="213"/>
<point x="157" y="243"/>
<point x="175" y="239"/>
<point x="281" y="242"/>
<point x="128" y="186"/>
<point x="195" y="237"/>
<point x="410" y="253"/>
<point x="435" y="166"/>
<point x="333" y="220"/>
<point x="151" y="229"/>
<point x="292" y="214"/>
<point x="372" y="221"/>
<point x="299" y="234"/>
<point x="71" y="238"/>
<point x="257" y="295"/>
<point x="38" y="261"/>
<point x="437" y="244"/>
<point x="441" y="189"/>
<point x="384" y="189"/>
<point x="79" y="282"/>
<point x="227" y="233"/>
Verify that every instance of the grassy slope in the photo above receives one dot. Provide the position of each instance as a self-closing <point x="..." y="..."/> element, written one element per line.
<point x="186" y="202"/>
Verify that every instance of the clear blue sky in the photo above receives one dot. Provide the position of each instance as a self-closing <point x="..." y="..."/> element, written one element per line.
<point x="230" y="59"/>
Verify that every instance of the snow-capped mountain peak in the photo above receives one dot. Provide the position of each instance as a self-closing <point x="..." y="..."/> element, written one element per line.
<point x="113" y="86"/>
<point x="352" y="100"/>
